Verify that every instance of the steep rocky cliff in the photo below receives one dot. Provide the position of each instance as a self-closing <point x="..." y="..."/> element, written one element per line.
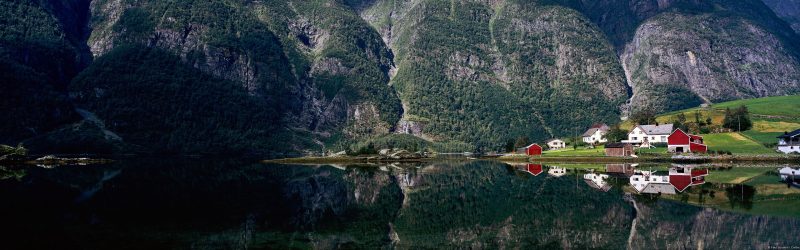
<point x="681" y="60"/>
<point x="789" y="10"/>
<point x="709" y="228"/>
<point x="308" y="75"/>
<point x="313" y="71"/>
<point x="483" y="72"/>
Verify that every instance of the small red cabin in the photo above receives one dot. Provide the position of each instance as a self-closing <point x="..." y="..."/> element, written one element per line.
<point x="533" y="149"/>
<point x="535" y="169"/>
<point x="682" y="142"/>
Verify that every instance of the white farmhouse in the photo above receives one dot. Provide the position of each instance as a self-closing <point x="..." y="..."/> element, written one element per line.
<point x="556" y="144"/>
<point x="646" y="182"/>
<point x="597" y="181"/>
<point x="645" y="135"/>
<point x="596" y="134"/>
<point x="557" y="171"/>
<point x="789" y="142"/>
<point x="789" y="173"/>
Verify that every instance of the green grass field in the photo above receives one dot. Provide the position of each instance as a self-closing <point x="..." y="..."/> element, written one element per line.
<point x="764" y="179"/>
<point x="767" y="138"/>
<point x="786" y="106"/>
<point x="736" y="175"/>
<point x="769" y="114"/>
<point x="597" y="151"/>
<point x="651" y="151"/>
<point x="735" y="143"/>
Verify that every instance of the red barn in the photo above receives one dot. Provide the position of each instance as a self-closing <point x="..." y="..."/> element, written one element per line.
<point x="682" y="142"/>
<point x="533" y="149"/>
<point x="683" y="177"/>
<point x="535" y="169"/>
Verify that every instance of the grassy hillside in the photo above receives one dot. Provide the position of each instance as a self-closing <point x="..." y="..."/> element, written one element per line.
<point x="771" y="117"/>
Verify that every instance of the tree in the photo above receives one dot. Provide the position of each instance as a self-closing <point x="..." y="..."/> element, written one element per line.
<point x="680" y="122"/>
<point x="647" y="116"/>
<point x="743" y="119"/>
<point x="727" y="121"/>
<point x="738" y="120"/>
<point x="697" y="118"/>
<point x="522" y="141"/>
<point x="616" y="134"/>
<point x="509" y="147"/>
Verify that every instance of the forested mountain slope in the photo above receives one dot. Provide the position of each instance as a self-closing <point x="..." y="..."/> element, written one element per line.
<point x="789" y="10"/>
<point x="266" y="77"/>
<point x="40" y="52"/>
<point x="484" y="73"/>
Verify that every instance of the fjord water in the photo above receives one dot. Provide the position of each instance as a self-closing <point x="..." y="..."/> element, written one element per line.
<point x="192" y="204"/>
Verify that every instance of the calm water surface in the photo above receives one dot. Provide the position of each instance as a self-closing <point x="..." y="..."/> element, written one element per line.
<point x="192" y="204"/>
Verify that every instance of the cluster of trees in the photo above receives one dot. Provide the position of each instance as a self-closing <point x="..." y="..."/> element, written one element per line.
<point x="447" y="75"/>
<point x="36" y="62"/>
<point x="738" y="119"/>
<point x="9" y="151"/>
<point x="735" y="120"/>
<point x="615" y="134"/>
<point x="185" y="111"/>
<point x="406" y="142"/>
<point x="698" y="125"/>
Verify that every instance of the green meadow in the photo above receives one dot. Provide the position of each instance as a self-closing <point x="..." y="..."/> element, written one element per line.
<point x="771" y="117"/>
<point x="735" y="143"/>
<point x="597" y="151"/>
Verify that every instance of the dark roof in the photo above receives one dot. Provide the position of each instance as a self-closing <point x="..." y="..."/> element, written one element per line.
<point x="790" y="134"/>
<point x="616" y="145"/>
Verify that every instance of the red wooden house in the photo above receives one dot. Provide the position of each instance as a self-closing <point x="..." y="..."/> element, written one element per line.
<point x="533" y="149"/>
<point x="683" y="177"/>
<point x="535" y="169"/>
<point x="682" y="142"/>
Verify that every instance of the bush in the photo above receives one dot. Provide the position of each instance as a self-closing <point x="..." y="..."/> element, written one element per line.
<point x="660" y="144"/>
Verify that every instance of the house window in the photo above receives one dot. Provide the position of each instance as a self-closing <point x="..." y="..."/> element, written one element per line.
<point x="663" y="138"/>
<point x="633" y="138"/>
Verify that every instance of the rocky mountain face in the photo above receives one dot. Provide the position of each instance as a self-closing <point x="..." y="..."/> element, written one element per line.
<point x="706" y="58"/>
<point x="274" y="76"/>
<point x="483" y="72"/>
<point x="706" y="227"/>
<point x="39" y="54"/>
<point x="789" y="10"/>
<point x="287" y="76"/>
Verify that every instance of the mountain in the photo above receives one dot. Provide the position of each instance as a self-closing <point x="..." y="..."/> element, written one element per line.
<point x="789" y="10"/>
<point x="485" y="73"/>
<point x="271" y="77"/>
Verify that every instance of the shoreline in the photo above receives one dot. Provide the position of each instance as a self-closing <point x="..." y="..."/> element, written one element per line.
<point x="787" y="159"/>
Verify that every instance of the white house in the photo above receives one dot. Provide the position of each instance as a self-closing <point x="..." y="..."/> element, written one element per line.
<point x="556" y="144"/>
<point x="597" y="181"/>
<point x="647" y="182"/>
<point x="596" y="134"/>
<point x="557" y="171"/>
<point x="645" y="135"/>
<point x="789" y="173"/>
<point x="789" y="142"/>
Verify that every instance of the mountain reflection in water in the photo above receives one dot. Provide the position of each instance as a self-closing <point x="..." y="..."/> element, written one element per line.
<point x="169" y="204"/>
